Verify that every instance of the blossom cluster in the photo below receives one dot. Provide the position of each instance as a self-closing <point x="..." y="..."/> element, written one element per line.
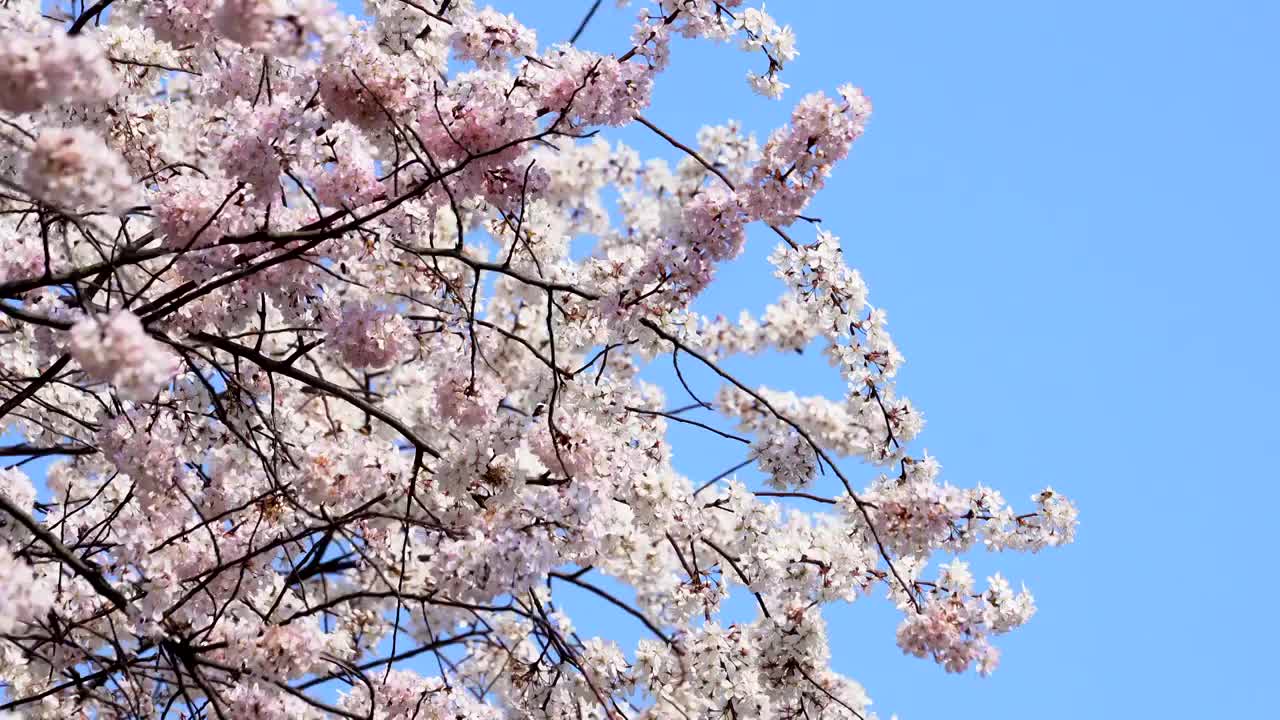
<point x="491" y="40"/>
<point x="592" y="89"/>
<point x="368" y="336"/>
<point x="41" y="65"/>
<point x="954" y="624"/>
<point x="762" y="33"/>
<point x="74" y="168"/>
<point x="798" y="158"/>
<point x="22" y="598"/>
<point x="15" y="487"/>
<point x="116" y="349"/>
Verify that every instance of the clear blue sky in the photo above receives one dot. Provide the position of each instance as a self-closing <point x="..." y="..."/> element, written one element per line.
<point x="1070" y="212"/>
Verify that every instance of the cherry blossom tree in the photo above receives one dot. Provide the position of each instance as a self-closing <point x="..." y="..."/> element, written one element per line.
<point x="332" y="334"/>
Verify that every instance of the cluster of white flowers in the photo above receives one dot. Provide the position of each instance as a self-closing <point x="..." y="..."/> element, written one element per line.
<point x="723" y="20"/>
<point x="762" y="33"/>
<point x="16" y="487"/>
<point x="342" y="471"/>
<point x="788" y="459"/>
<point x="769" y="668"/>
<point x="406" y="694"/>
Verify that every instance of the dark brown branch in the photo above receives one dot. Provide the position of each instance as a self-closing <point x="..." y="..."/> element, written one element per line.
<point x="34" y="385"/>
<point x="582" y="26"/>
<point x="27" y="450"/>
<point x="89" y="14"/>
<point x="615" y="602"/>
<point x="318" y="383"/>
<point x="81" y="568"/>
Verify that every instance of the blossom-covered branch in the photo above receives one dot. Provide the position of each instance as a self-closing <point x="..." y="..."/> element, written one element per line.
<point x="334" y="334"/>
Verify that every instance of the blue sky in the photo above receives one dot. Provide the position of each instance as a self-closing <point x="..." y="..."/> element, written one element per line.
<point x="1070" y="212"/>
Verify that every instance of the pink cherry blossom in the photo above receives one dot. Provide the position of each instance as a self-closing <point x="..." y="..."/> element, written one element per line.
<point x="40" y="65"/>
<point x="345" y="175"/>
<point x="592" y="89"/>
<point x="74" y="168"/>
<point x="23" y="598"/>
<point x="364" y="85"/>
<point x="274" y="26"/>
<point x="117" y="350"/>
<point x="181" y="22"/>
<point x="491" y="39"/>
<point x="369" y="336"/>
<point x="798" y="158"/>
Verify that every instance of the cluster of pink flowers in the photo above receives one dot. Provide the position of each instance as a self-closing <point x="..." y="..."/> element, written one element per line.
<point x="917" y="514"/>
<point x="491" y="40"/>
<point x="367" y="335"/>
<point x="280" y="651"/>
<point x="149" y="450"/>
<point x="364" y="85"/>
<point x="254" y="151"/>
<point x="346" y="178"/>
<point x="798" y="158"/>
<point x="181" y="22"/>
<point x="117" y="350"/>
<point x="40" y="65"/>
<point x="195" y="212"/>
<point x="23" y="259"/>
<point x="954" y="624"/>
<point x="589" y="88"/>
<point x="714" y="225"/>
<point x="75" y="169"/>
<point x="468" y="402"/>
<point x="279" y="27"/>
<point x="341" y="471"/>
<point x="477" y="125"/>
